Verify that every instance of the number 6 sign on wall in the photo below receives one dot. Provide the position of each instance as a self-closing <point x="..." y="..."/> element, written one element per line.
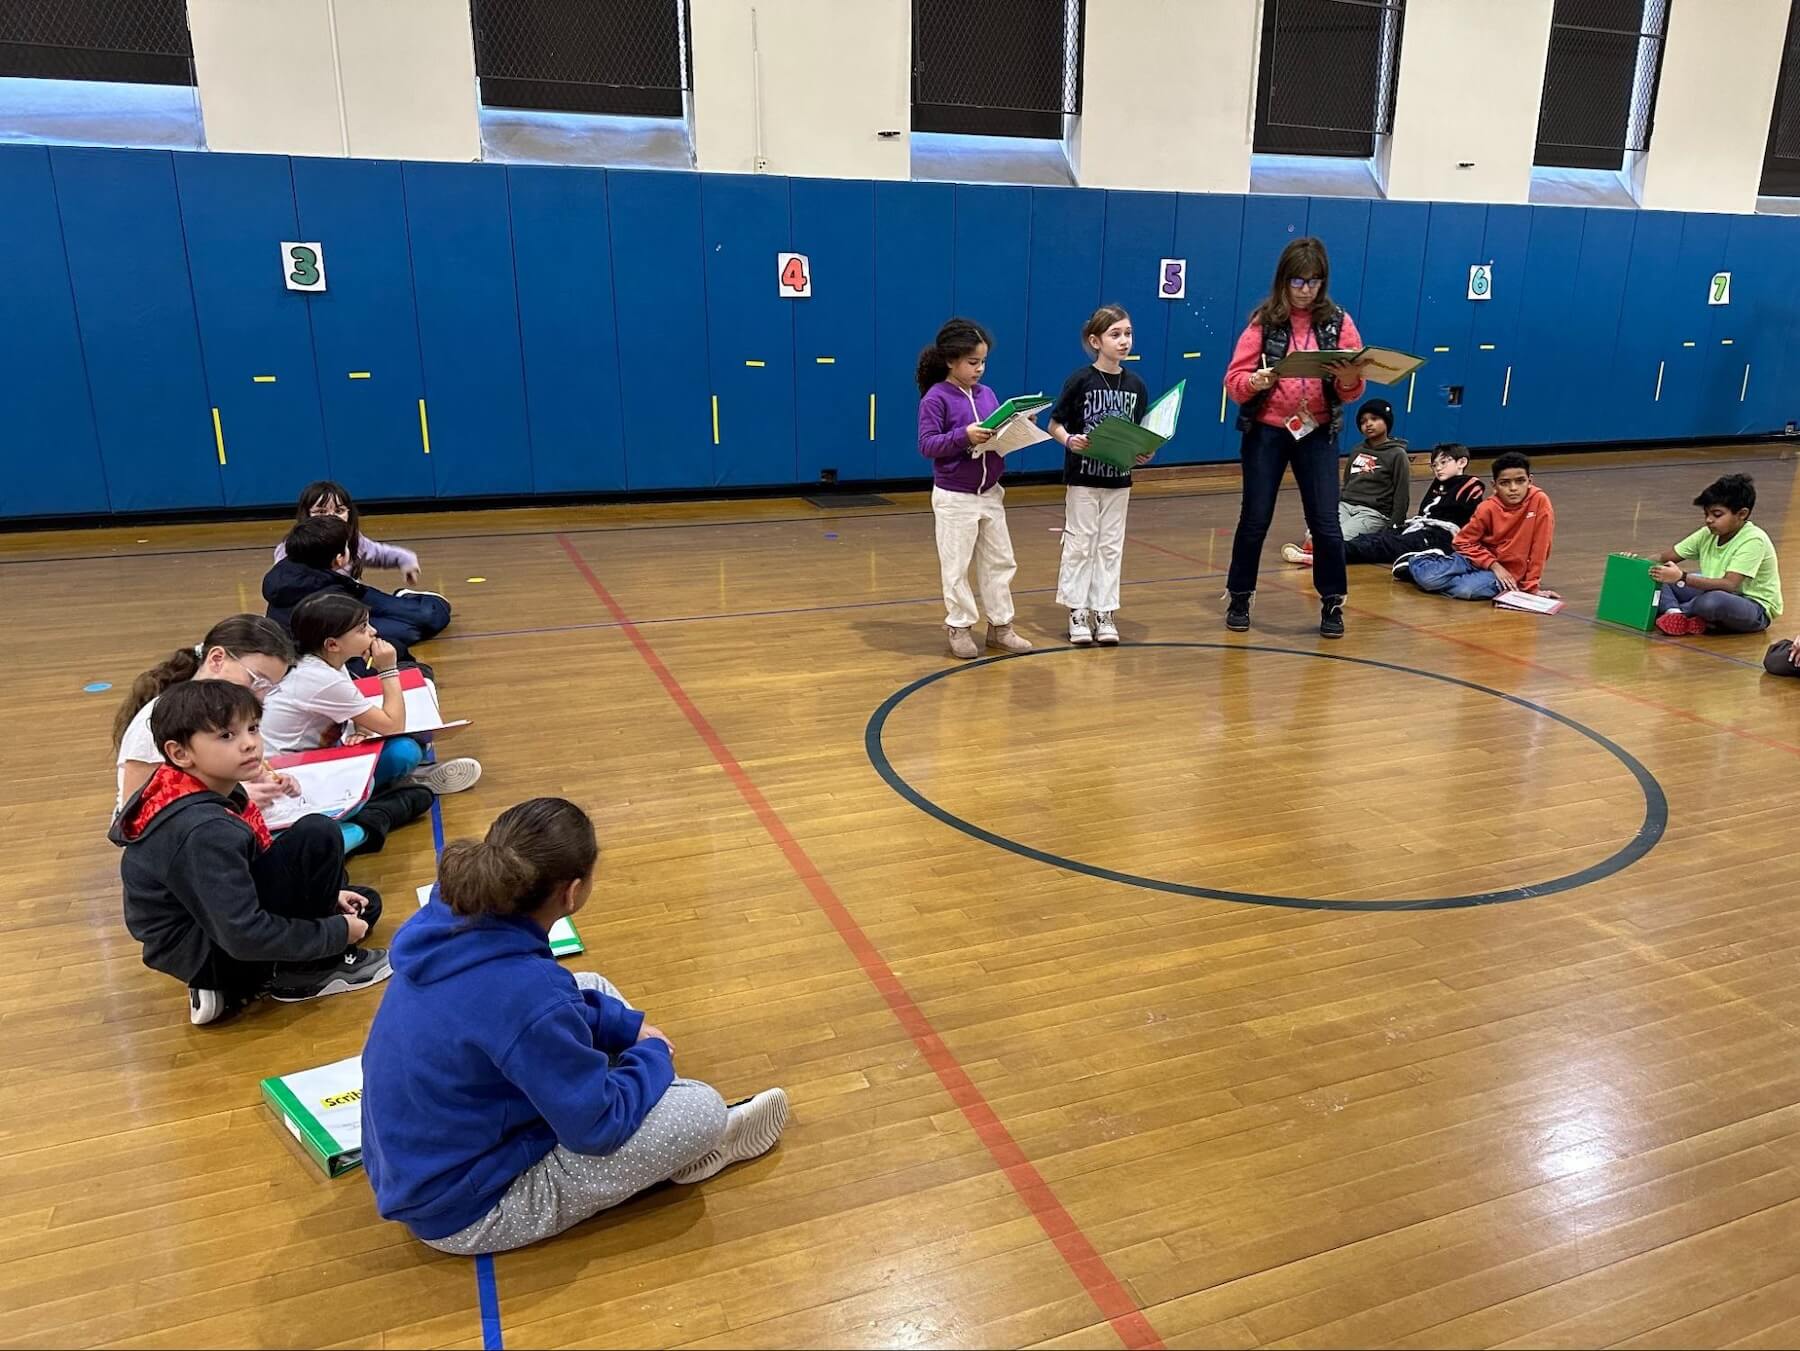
<point x="794" y="271"/>
<point x="1171" y="279"/>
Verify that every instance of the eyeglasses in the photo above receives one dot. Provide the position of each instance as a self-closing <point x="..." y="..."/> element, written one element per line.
<point x="260" y="684"/>
<point x="1301" y="283"/>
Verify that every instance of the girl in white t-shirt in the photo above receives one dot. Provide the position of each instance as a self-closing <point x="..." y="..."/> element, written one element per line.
<point x="318" y="704"/>
<point x="248" y="650"/>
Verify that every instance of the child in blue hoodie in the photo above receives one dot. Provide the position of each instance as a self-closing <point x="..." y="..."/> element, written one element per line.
<point x="506" y="1099"/>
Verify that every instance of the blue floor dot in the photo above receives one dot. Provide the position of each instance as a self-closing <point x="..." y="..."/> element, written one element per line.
<point x="831" y="534"/>
<point x="96" y="687"/>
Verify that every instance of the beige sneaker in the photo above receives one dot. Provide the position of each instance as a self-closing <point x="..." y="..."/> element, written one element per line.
<point x="1003" y="637"/>
<point x="962" y="643"/>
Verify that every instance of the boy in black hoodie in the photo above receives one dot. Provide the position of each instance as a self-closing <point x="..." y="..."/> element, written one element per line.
<point x="216" y="901"/>
<point x="315" y="549"/>
<point x="1445" y="509"/>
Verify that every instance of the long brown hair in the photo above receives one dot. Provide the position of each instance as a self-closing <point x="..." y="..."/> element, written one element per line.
<point x="1304" y="257"/>
<point x="1098" y="322"/>
<point x="239" y="635"/>
<point x="529" y="851"/>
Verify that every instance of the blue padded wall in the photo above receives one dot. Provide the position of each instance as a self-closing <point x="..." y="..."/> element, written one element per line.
<point x="567" y="330"/>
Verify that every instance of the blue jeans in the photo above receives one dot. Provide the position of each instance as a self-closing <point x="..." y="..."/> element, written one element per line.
<point x="1266" y="452"/>
<point x="1454" y="576"/>
<point x="1722" y="609"/>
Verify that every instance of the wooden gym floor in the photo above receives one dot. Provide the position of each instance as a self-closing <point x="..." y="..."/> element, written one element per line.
<point x="1075" y="1103"/>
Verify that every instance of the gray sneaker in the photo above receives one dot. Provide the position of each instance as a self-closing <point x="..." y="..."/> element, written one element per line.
<point x="962" y="644"/>
<point x="357" y="968"/>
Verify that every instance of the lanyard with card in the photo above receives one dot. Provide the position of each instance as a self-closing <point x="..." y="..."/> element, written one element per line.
<point x="1301" y="424"/>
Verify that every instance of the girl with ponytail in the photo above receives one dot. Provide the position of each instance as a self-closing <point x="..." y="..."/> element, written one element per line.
<point x="966" y="496"/>
<point x="248" y="650"/>
<point x="506" y="1099"/>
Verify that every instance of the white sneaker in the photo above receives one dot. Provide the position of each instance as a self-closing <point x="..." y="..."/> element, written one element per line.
<point x="1080" y="632"/>
<point x="449" y="776"/>
<point x="411" y="591"/>
<point x="1106" y="633"/>
<point x="751" y="1127"/>
<point x="1293" y="553"/>
<point x="209" y="1006"/>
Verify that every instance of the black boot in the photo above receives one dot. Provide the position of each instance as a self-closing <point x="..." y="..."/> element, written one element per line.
<point x="1331" y="616"/>
<point x="1237" y="614"/>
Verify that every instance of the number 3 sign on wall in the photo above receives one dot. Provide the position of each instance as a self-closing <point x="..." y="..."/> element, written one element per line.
<point x="1171" y="279"/>
<point x="794" y="271"/>
<point x="303" y="265"/>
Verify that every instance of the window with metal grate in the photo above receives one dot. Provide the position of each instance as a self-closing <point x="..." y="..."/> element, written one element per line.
<point x="1326" y="76"/>
<point x="623" y="57"/>
<point x="123" y="41"/>
<point x="996" y="67"/>
<point x="1600" y="82"/>
<point x="1781" y="159"/>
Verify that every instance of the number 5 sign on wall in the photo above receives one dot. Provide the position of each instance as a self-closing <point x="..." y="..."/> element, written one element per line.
<point x="1171" y="279"/>
<point x="303" y="265"/>
<point x="794" y="273"/>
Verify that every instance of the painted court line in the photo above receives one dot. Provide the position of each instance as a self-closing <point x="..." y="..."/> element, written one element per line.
<point x="1107" y="1291"/>
<point x="1527" y="662"/>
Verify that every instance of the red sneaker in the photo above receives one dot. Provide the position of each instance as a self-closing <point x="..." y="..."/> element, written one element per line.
<point x="1677" y="625"/>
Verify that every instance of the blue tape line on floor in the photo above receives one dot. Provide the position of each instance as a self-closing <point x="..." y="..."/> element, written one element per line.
<point x="490" y="1302"/>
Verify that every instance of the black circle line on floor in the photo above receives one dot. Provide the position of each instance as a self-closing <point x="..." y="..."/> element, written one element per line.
<point x="1656" y="804"/>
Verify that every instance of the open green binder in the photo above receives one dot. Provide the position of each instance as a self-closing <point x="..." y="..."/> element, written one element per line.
<point x="1019" y="403"/>
<point x="1119" y="441"/>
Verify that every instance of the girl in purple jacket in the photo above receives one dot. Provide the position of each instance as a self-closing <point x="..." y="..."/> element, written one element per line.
<point x="966" y="496"/>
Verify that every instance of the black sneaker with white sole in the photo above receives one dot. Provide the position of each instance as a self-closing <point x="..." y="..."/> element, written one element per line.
<point x="1402" y="567"/>
<point x="357" y="968"/>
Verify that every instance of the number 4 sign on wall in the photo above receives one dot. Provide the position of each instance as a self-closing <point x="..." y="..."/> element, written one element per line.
<point x="303" y="265"/>
<point x="794" y="273"/>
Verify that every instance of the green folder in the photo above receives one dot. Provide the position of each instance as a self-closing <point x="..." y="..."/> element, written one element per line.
<point x="1019" y="403"/>
<point x="322" y="1109"/>
<point x="1119" y="441"/>
<point x="1628" y="592"/>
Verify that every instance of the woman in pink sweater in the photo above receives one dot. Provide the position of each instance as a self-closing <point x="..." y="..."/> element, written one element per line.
<point x="1288" y="421"/>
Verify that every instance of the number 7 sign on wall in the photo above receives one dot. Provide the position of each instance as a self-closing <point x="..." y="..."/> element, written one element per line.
<point x="794" y="271"/>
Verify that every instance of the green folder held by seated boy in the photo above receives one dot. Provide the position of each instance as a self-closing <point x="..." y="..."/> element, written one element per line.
<point x="1627" y="593"/>
<point x="1120" y="441"/>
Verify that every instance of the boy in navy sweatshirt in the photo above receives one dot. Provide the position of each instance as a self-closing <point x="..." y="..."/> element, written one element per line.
<point x="1446" y="508"/>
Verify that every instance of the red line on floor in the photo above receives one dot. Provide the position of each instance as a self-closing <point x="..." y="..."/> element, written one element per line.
<point x="1517" y="660"/>
<point x="1107" y="1291"/>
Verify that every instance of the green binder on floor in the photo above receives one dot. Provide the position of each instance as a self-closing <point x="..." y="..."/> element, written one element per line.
<point x="1628" y="593"/>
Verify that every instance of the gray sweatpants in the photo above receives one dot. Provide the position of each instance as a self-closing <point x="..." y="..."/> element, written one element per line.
<point x="564" y="1188"/>
<point x="1356" y="521"/>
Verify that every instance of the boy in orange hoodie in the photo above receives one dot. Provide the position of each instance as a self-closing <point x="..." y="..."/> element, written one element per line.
<point x="1503" y="547"/>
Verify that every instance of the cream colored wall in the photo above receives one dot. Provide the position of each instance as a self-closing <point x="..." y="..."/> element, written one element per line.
<point x="265" y="76"/>
<point x="1151" y="122"/>
<point x="1471" y="82"/>
<point x="1720" y="66"/>
<point x="819" y="82"/>
<point x="400" y="83"/>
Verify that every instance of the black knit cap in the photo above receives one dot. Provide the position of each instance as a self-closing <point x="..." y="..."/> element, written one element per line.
<point x="1381" y="408"/>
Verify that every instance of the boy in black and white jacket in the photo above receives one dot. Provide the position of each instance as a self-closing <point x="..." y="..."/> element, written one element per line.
<point x="1446" y="508"/>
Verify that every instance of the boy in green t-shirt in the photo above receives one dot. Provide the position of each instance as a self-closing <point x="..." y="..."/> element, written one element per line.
<point x="1737" y="586"/>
